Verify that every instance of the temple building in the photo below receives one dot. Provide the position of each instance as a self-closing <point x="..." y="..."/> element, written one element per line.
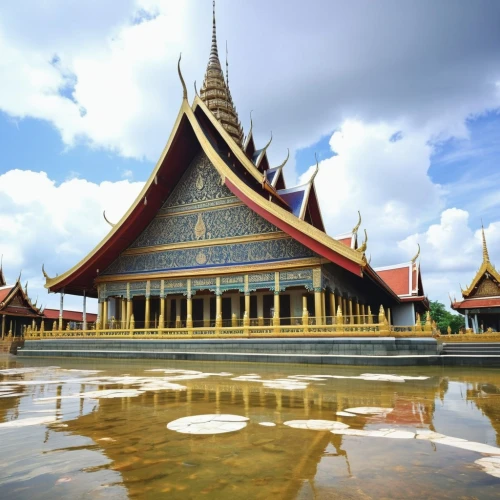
<point x="17" y="312"/>
<point x="480" y="302"/>
<point x="216" y="238"/>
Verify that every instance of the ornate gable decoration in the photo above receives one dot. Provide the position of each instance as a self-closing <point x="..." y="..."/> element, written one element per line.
<point x="486" y="283"/>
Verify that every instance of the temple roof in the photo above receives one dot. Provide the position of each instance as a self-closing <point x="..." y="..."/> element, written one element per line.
<point x="486" y="272"/>
<point x="14" y="301"/>
<point x="405" y="279"/>
<point x="215" y="92"/>
<point x="190" y="129"/>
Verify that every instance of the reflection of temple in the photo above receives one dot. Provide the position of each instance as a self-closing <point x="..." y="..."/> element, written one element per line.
<point x="481" y="300"/>
<point x="132" y="432"/>
<point x="216" y="238"/>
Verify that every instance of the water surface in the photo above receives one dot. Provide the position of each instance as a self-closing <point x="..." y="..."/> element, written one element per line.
<point x="67" y="431"/>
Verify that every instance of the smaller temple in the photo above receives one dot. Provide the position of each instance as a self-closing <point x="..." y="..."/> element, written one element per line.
<point x="406" y="281"/>
<point x="480" y="302"/>
<point x="17" y="312"/>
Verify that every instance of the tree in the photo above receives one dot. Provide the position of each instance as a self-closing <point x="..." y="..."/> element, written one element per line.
<point x="444" y="318"/>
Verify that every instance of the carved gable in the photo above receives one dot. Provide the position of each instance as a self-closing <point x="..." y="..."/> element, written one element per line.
<point x="487" y="288"/>
<point x="199" y="210"/>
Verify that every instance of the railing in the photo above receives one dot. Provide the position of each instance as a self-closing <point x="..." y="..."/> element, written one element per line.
<point x="295" y="327"/>
<point x="469" y="336"/>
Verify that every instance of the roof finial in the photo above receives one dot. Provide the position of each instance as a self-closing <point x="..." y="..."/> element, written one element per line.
<point x="357" y="226"/>
<point x="213" y="49"/>
<point x="107" y="220"/>
<point x="227" y="69"/>
<point x="416" y="255"/>
<point x="315" y="173"/>
<point x="486" y="257"/>
<point x="184" y="89"/>
<point x="363" y="246"/>
<point x="47" y="277"/>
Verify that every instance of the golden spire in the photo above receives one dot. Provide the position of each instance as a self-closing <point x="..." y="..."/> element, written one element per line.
<point x="215" y="92"/>
<point x="486" y="257"/>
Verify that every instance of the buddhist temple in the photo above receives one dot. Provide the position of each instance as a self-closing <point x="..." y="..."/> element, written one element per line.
<point x="17" y="312"/>
<point x="216" y="238"/>
<point x="480" y="302"/>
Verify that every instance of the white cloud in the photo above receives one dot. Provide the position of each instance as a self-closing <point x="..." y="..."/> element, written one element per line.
<point x="452" y="252"/>
<point x="43" y="222"/>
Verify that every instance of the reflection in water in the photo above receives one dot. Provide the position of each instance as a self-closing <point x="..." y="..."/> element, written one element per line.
<point x="105" y="432"/>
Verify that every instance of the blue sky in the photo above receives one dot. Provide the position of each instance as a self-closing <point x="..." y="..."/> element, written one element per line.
<point x="405" y="126"/>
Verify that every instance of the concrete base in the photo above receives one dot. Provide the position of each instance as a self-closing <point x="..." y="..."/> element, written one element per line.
<point x="383" y="351"/>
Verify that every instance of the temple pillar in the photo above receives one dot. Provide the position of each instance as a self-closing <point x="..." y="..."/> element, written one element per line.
<point x="323" y="307"/>
<point x="276" y="315"/>
<point x="3" y="326"/>
<point x="332" y="304"/>
<point x="351" y="319"/>
<point x="123" y="312"/>
<point x="129" y="312"/>
<point x="218" y="304"/>
<point x="358" y="319"/>
<point x="317" y="305"/>
<point x="105" y="314"/>
<point x="247" y="304"/>
<point x="189" y="306"/>
<point x="389" y="316"/>
<point x="177" y="312"/>
<point x="161" y="323"/>
<point x="84" y="313"/>
<point x="147" y="312"/>
<point x="362" y="312"/>
<point x="61" y="310"/>
<point x="466" y="319"/>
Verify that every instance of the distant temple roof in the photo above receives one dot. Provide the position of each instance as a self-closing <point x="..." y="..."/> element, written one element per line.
<point x="53" y="314"/>
<point x="14" y="300"/>
<point x="484" y="290"/>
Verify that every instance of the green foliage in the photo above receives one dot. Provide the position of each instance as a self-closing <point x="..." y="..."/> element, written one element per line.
<point x="444" y="318"/>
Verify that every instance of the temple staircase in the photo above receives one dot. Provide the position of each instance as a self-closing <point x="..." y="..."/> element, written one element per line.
<point x="471" y="349"/>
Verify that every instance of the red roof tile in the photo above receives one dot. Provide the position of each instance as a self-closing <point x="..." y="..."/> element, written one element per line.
<point x="4" y="292"/>
<point x="69" y="315"/>
<point x="476" y="303"/>
<point x="398" y="279"/>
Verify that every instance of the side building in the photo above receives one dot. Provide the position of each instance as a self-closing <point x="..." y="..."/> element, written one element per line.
<point x="216" y="238"/>
<point x="480" y="302"/>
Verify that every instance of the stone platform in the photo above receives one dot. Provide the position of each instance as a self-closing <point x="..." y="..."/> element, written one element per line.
<point x="381" y="351"/>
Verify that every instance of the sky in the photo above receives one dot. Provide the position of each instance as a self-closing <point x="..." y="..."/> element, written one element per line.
<point x="399" y="100"/>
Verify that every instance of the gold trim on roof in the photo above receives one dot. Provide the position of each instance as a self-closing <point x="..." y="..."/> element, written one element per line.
<point x="224" y="171"/>
<point x="486" y="267"/>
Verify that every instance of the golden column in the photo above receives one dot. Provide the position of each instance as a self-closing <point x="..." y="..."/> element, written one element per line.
<point x="189" y="306"/>
<point x="358" y="319"/>
<point x="332" y="304"/>
<point x="218" y="303"/>
<point x="323" y="307"/>
<point x="351" y="319"/>
<point x="123" y="313"/>
<point x="318" y="300"/>
<point x="276" y="316"/>
<point x="147" y="312"/>
<point x="104" y="321"/>
<point x="161" y="323"/>
<point x="247" y="298"/>
<point x="363" y="315"/>
<point x="3" y="326"/>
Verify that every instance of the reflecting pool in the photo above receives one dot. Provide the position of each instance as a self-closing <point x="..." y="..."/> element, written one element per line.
<point x="129" y="429"/>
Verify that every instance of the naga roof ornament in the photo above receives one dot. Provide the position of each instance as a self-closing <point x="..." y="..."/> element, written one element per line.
<point x="216" y="95"/>
<point x="416" y="255"/>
